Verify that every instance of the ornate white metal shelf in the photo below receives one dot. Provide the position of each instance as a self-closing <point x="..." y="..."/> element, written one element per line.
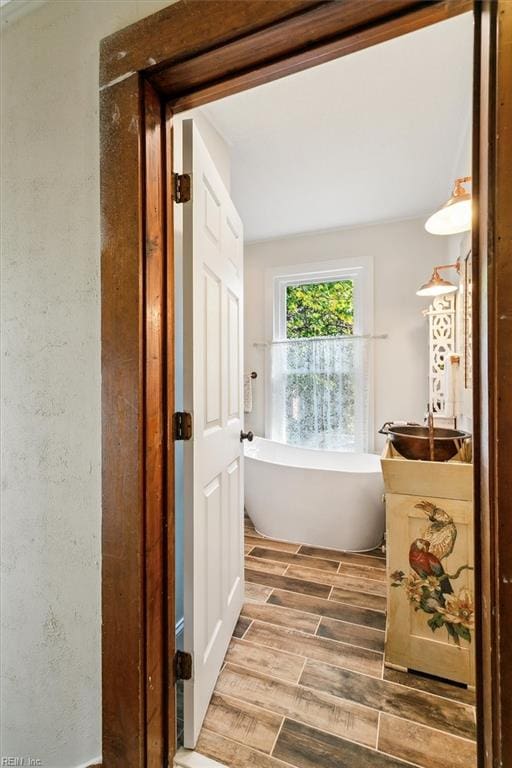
<point x="442" y="339"/>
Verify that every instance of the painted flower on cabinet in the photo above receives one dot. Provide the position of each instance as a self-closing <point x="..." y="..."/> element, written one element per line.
<point x="460" y="609"/>
<point x="428" y="586"/>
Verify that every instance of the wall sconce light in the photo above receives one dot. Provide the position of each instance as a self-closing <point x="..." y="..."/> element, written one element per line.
<point x="455" y="215"/>
<point x="436" y="286"/>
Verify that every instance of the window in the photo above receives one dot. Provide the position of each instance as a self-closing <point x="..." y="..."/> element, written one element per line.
<point x="320" y="358"/>
<point x="320" y="309"/>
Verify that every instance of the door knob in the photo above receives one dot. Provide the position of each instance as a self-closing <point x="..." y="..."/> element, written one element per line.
<point x="246" y="436"/>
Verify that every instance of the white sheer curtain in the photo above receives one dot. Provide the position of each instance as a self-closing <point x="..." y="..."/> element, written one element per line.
<point x="320" y="392"/>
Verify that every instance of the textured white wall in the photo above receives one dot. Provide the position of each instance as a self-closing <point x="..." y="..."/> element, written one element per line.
<point x="404" y="255"/>
<point x="51" y="690"/>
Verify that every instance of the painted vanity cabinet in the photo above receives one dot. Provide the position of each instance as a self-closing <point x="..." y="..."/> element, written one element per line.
<point x="430" y="561"/>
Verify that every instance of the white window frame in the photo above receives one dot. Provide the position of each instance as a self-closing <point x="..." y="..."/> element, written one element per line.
<point x="360" y="271"/>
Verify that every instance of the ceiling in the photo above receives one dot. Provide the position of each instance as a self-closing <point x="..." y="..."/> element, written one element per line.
<point x="374" y="136"/>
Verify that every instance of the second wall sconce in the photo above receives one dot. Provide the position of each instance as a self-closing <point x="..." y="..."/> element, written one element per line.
<point x="437" y="285"/>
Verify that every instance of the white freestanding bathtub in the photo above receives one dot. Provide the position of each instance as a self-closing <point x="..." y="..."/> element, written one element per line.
<point x="321" y="498"/>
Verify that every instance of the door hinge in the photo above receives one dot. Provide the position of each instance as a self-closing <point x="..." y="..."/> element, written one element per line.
<point x="181" y="187"/>
<point x="182" y="425"/>
<point x="182" y="665"/>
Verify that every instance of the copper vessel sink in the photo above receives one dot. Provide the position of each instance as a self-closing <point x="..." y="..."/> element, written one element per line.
<point x="412" y="441"/>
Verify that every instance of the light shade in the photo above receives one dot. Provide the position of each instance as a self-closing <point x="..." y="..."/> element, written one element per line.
<point x="455" y="215"/>
<point x="436" y="286"/>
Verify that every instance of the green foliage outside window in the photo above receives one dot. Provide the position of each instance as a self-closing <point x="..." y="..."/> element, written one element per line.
<point x="320" y="309"/>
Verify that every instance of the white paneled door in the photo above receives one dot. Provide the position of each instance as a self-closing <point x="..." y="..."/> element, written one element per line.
<point x="213" y="382"/>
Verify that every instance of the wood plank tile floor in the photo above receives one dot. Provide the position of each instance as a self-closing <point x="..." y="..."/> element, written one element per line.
<point x="303" y="682"/>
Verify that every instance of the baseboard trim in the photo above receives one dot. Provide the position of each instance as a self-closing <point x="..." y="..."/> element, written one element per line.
<point x="189" y="758"/>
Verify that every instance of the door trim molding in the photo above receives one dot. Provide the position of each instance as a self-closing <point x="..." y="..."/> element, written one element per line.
<point x="147" y="72"/>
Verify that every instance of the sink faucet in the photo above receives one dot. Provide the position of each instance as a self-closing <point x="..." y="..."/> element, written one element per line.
<point x="430" y="422"/>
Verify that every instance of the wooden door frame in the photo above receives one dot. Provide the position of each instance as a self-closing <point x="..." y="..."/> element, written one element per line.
<point x="184" y="56"/>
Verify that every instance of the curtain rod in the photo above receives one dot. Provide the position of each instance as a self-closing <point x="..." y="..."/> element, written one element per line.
<point x="319" y="338"/>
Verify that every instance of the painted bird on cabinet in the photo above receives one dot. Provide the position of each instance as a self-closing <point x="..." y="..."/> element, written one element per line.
<point x="442" y="531"/>
<point x="428" y="586"/>
<point x="426" y="564"/>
